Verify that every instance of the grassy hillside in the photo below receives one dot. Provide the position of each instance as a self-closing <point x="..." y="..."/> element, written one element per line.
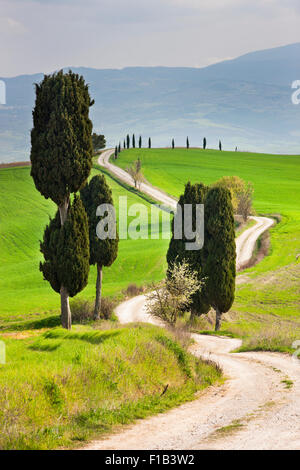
<point x="266" y="311"/>
<point x="24" y="214"/>
<point x="61" y="388"/>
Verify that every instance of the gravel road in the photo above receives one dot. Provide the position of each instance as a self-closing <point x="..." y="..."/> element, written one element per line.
<point x="258" y="407"/>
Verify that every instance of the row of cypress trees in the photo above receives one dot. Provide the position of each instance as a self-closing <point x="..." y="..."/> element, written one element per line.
<point x="216" y="261"/>
<point x="61" y="161"/>
<point x="127" y="142"/>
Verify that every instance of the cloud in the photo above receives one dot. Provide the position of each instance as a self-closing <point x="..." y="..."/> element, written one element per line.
<point x="11" y="26"/>
<point x="44" y="35"/>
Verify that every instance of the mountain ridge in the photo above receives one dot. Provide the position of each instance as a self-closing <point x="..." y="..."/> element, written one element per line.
<point x="245" y="102"/>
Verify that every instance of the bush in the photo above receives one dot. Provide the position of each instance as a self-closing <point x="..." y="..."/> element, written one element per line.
<point x="241" y="194"/>
<point x="107" y="307"/>
<point x="173" y="296"/>
<point x="83" y="310"/>
<point x="133" y="290"/>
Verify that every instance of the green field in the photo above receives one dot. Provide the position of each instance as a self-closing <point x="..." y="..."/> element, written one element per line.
<point x="276" y="182"/>
<point x="24" y="214"/>
<point x="61" y="388"/>
<point x="266" y="311"/>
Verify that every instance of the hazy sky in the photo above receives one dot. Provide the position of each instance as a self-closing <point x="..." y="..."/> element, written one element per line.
<point x="45" y="35"/>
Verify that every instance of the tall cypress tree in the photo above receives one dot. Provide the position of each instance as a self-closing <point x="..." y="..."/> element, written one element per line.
<point x="193" y="194"/>
<point x="204" y="143"/>
<point x="124" y="144"/>
<point x="66" y="253"/>
<point x="133" y="141"/>
<point x="102" y="252"/>
<point x="220" y="145"/>
<point x="219" y="251"/>
<point x="140" y="142"/>
<point x="119" y="148"/>
<point x="173" y="143"/>
<point x="149" y="143"/>
<point x="128" y="141"/>
<point x="116" y="152"/>
<point x="187" y="143"/>
<point x="61" y="146"/>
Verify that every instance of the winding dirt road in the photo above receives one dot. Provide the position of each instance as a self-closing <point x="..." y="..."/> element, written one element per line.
<point x="155" y="193"/>
<point x="245" y="243"/>
<point x="258" y="407"/>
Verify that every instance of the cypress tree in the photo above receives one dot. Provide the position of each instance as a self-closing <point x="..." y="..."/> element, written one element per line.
<point x="119" y="148"/>
<point x="116" y="153"/>
<point x="98" y="141"/>
<point x="204" y="143"/>
<point x="140" y="142"/>
<point x="220" y="145"/>
<point x="124" y="144"/>
<point x="173" y="144"/>
<point x="66" y="254"/>
<point x="128" y="141"/>
<point x="133" y="141"/>
<point x="149" y="143"/>
<point x="193" y="194"/>
<point x="102" y="252"/>
<point x="219" y="251"/>
<point x="187" y="143"/>
<point x="61" y="146"/>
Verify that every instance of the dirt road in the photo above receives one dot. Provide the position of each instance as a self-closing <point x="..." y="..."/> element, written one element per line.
<point x="258" y="407"/>
<point x="252" y="410"/>
<point x="245" y="243"/>
<point x="155" y="193"/>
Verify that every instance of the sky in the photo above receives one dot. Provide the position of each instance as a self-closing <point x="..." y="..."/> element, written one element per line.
<point x="46" y="35"/>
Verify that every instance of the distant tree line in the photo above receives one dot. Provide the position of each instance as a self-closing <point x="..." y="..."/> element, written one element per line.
<point x="130" y="142"/>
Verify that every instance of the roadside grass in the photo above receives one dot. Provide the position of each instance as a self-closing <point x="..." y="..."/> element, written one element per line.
<point x="288" y="383"/>
<point x="265" y="313"/>
<point x="242" y="226"/>
<point x="60" y="388"/>
<point x="24" y="214"/>
<point x="226" y="431"/>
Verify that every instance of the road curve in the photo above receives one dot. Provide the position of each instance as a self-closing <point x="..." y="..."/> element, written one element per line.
<point x="255" y="401"/>
<point x="245" y="243"/>
<point x="155" y="193"/>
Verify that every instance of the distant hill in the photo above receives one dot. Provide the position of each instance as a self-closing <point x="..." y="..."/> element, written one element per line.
<point x="245" y="102"/>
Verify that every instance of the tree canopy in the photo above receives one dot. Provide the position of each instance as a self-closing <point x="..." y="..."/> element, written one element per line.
<point x="61" y="143"/>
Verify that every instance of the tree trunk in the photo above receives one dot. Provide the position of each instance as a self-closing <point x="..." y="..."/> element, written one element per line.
<point x="63" y="211"/>
<point x="65" y="311"/>
<point x="218" y="319"/>
<point x="98" y="292"/>
<point x="65" y="308"/>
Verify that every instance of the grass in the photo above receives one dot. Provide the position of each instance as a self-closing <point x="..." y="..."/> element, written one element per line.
<point x="60" y="388"/>
<point x="226" y="431"/>
<point x="288" y="383"/>
<point x="276" y="180"/>
<point x="266" y="311"/>
<point x="24" y="214"/>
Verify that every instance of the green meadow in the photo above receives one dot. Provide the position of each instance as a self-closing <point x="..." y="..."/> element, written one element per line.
<point x="24" y="213"/>
<point x="266" y="312"/>
<point x="61" y="388"/>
